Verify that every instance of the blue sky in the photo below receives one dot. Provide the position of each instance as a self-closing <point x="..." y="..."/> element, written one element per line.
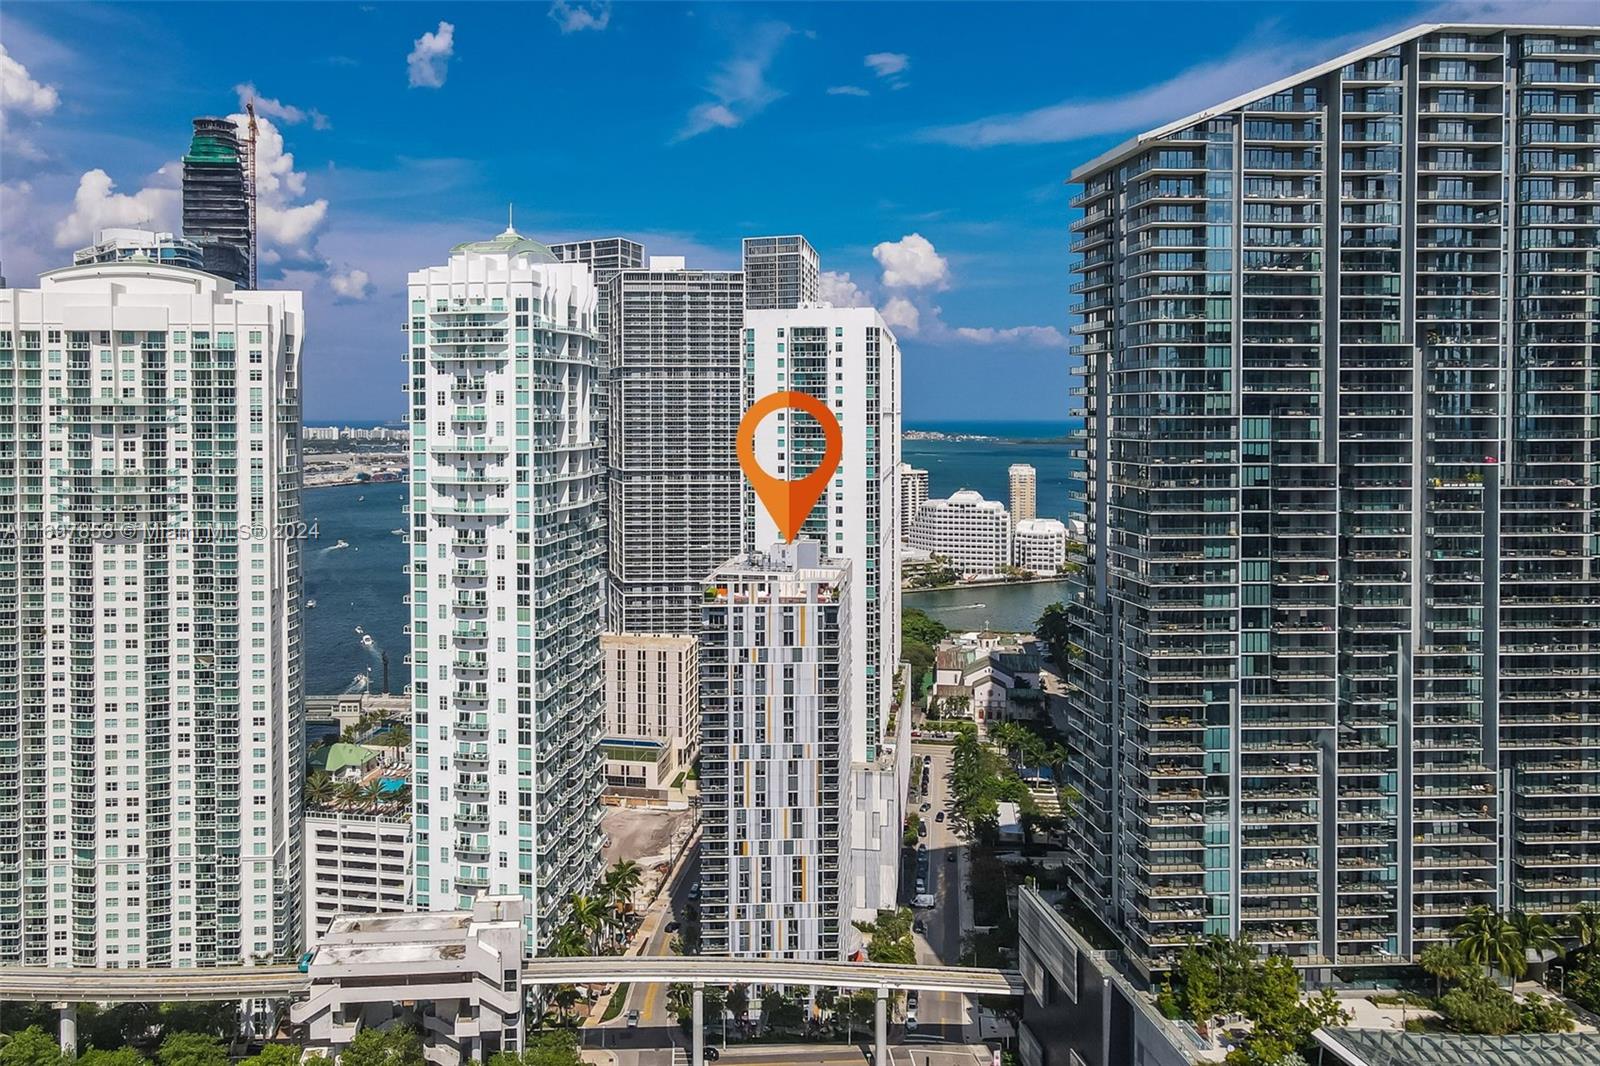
<point x="921" y="147"/>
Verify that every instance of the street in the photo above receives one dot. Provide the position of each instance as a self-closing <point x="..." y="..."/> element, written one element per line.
<point x="943" y="1016"/>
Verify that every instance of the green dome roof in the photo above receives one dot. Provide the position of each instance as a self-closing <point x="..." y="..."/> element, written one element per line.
<point x="509" y="243"/>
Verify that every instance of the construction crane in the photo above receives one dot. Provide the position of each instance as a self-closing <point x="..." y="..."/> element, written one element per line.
<point x="250" y="182"/>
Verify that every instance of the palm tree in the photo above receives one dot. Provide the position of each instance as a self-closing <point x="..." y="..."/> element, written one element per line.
<point x="565" y="998"/>
<point x="568" y="942"/>
<point x="1443" y="962"/>
<point x="589" y="915"/>
<point x="1536" y="934"/>
<point x="1486" y="938"/>
<point x="1583" y="926"/>
<point x="348" y="792"/>
<point x="621" y="882"/>
<point x="373" y="794"/>
<point x="319" y="789"/>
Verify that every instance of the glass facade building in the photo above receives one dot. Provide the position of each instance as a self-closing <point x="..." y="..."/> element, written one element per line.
<point x="1336" y="667"/>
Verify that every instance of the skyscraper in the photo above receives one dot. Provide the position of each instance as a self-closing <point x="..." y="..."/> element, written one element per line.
<point x="847" y="358"/>
<point x="1024" y="490"/>
<point x="913" y="494"/>
<point x="506" y="578"/>
<point x="673" y="495"/>
<point x="150" y="620"/>
<point x="780" y="273"/>
<point x="774" y="657"/>
<point x="1335" y="645"/>
<point x="216" y="202"/>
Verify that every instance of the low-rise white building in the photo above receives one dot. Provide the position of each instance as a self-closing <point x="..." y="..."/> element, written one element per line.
<point x="652" y="717"/>
<point x="1039" y="545"/>
<point x="354" y="864"/>
<point x="456" y="975"/>
<point x="970" y="531"/>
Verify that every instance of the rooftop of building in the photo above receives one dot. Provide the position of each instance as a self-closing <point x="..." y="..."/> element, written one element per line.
<point x="1388" y="1047"/>
<point x="1041" y="525"/>
<point x="510" y="243"/>
<point x="667" y="641"/>
<point x="1139" y="143"/>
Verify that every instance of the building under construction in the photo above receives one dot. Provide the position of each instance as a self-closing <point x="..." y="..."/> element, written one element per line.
<point x="216" y="199"/>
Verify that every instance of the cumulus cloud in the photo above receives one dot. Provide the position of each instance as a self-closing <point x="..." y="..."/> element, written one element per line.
<point x="739" y="85"/>
<point x="911" y="263"/>
<point x="97" y="205"/>
<point x="890" y="67"/>
<point x="847" y="90"/>
<point x="288" y="114"/>
<point x="574" y="16"/>
<point x="285" y="222"/>
<point x="430" y="57"/>
<point x="21" y="95"/>
<point x="902" y="314"/>
<point x="837" y="288"/>
<point x="351" y="284"/>
<point x="1042" y="336"/>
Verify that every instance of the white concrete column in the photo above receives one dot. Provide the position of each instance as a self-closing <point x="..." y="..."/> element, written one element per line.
<point x="881" y="1028"/>
<point x="69" y="1030"/>
<point x="698" y="1058"/>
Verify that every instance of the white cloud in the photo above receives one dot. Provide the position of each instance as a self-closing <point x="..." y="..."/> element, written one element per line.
<point x="97" y="205"/>
<point x="911" y="263"/>
<point x="20" y="94"/>
<point x="890" y="67"/>
<point x="847" y="90"/>
<point x="430" y="57"/>
<point x="284" y="224"/>
<point x="739" y="85"/>
<point x="902" y="314"/>
<point x="837" y="288"/>
<point x="352" y="284"/>
<point x="288" y="114"/>
<point x="577" y="15"/>
<point x="1042" y="336"/>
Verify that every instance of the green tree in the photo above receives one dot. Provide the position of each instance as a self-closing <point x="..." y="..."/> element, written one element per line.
<point x="1444" y="963"/>
<point x="122" y="1056"/>
<point x="916" y="625"/>
<point x="399" y="1046"/>
<point x="1487" y="938"/>
<point x="319" y="789"/>
<point x="1541" y="1015"/>
<point x="191" y="1049"/>
<point x="1583" y="926"/>
<point x="621" y="882"/>
<point x="568" y="941"/>
<point x="589" y="914"/>
<point x="1535" y="933"/>
<point x="739" y="1001"/>
<point x="1478" y="1005"/>
<point x="1054" y="628"/>
<point x="890" y="937"/>
<point x="219" y="1019"/>
<point x="782" y="1010"/>
<point x="31" y="1047"/>
<point x="273" y="1055"/>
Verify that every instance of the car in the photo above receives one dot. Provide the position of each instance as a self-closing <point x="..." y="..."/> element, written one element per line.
<point x="911" y="1002"/>
<point x="927" y="807"/>
<point x="918" y="926"/>
<point x="633" y="1019"/>
<point x="673" y="927"/>
<point x="939" y="817"/>
<point x="922" y="829"/>
<point x="694" y="890"/>
<point x="711" y="1053"/>
<point x="949" y="856"/>
<point x="911" y="1023"/>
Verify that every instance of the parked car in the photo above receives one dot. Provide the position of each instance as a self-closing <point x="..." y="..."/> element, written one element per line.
<point x="633" y="1019"/>
<point x="939" y="817"/>
<point x="950" y="856"/>
<point x="711" y="1053"/>
<point x="672" y="927"/>
<point x="918" y="926"/>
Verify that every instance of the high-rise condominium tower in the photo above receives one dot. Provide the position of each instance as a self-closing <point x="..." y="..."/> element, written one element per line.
<point x="674" y="472"/>
<point x="913" y="494"/>
<point x="151" y="714"/>
<point x="506" y="578"/>
<point x="216" y="203"/>
<point x="140" y="245"/>
<point x="780" y="273"/>
<point x="1337" y="629"/>
<point x="774" y="658"/>
<point x="847" y="358"/>
<point x="1024" y="492"/>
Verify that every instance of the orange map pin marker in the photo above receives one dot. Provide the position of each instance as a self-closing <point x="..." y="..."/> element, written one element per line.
<point x="790" y="502"/>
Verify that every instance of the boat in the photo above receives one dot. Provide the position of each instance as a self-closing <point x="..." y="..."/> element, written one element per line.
<point x="360" y="498"/>
<point x="311" y="603"/>
<point x="398" y="532"/>
<point x="341" y="544"/>
<point x="366" y="641"/>
<point x="359" y="630"/>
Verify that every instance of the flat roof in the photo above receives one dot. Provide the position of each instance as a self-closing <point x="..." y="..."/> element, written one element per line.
<point x="1137" y="144"/>
<point x="1390" y="1047"/>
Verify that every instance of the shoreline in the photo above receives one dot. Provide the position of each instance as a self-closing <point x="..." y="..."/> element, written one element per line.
<point x="988" y="584"/>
